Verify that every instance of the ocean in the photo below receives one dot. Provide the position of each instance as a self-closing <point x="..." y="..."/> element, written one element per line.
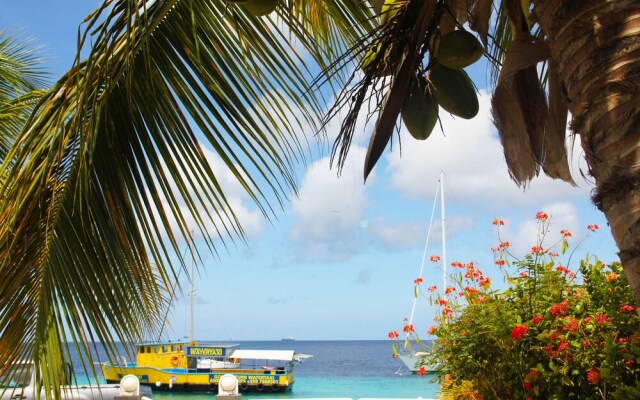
<point x="339" y="369"/>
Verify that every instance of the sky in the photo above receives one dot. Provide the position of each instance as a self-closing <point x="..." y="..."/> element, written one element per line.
<point x="339" y="261"/>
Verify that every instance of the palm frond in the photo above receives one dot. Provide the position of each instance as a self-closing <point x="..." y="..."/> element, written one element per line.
<point x="527" y="105"/>
<point x="108" y="173"/>
<point x="19" y="66"/>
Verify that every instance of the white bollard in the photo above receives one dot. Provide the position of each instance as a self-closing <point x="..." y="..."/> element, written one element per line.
<point x="129" y="388"/>
<point x="228" y="388"/>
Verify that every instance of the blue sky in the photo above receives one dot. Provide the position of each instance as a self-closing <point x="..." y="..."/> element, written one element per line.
<point x="340" y="260"/>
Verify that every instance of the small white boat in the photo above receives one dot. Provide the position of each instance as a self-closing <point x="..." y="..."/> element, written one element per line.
<point x="416" y="360"/>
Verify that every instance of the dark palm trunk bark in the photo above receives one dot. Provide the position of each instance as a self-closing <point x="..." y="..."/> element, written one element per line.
<point x="596" y="45"/>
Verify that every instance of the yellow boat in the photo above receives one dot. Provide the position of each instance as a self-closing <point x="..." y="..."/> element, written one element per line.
<point x="193" y="367"/>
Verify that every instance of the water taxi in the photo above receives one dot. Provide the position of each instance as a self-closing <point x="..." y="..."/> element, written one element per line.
<point x="193" y="367"/>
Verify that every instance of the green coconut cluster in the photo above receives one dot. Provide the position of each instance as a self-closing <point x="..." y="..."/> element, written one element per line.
<point x="447" y="85"/>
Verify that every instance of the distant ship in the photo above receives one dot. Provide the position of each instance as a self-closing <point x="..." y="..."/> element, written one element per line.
<point x="289" y="339"/>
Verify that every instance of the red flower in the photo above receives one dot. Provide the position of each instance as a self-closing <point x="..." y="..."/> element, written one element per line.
<point x="571" y="326"/>
<point x="565" y="233"/>
<point x="498" y="221"/>
<point x="449" y="289"/>
<point x="484" y="282"/>
<point x="593" y="228"/>
<point x="626" y="309"/>
<point x="537" y="319"/>
<point x="532" y="375"/>
<point x="559" y="309"/>
<point x="519" y="331"/>
<point x="524" y="275"/>
<point x="417" y="281"/>
<point x="408" y="328"/>
<point x="537" y="250"/>
<point x="422" y="371"/>
<point x="542" y="216"/>
<point x="563" y="345"/>
<point x="471" y="290"/>
<point x="601" y="318"/>
<point x="593" y="376"/>
<point x="433" y="288"/>
<point x="434" y="259"/>
<point x="432" y="330"/>
<point x="629" y="362"/>
<point x="393" y="334"/>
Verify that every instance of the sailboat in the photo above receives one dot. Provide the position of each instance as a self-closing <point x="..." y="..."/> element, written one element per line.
<point x="191" y="366"/>
<point x="417" y="360"/>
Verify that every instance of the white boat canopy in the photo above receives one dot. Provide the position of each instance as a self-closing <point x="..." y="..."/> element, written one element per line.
<point x="276" y="355"/>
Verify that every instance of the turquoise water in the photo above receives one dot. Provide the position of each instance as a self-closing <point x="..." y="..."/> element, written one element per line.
<point x="406" y="386"/>
<point x="339" y="369"/>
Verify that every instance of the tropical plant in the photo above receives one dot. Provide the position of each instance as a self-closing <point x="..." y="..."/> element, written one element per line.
<point x="552" y="333"/>
<point x="107" y="174"/>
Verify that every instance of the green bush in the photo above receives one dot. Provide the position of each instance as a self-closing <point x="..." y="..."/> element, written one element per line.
<point x="550" y="334"/>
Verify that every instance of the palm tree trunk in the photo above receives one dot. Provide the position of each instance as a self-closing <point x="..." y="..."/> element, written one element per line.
<point x="596" y="45"/>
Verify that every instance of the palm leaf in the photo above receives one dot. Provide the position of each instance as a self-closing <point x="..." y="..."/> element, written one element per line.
<point x="108" y="171"/>
<point x="19" y="71"/>
<point x="531" y="124"/>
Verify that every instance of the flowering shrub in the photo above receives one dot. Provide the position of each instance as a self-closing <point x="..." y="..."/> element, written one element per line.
<point x="551" y="334"/>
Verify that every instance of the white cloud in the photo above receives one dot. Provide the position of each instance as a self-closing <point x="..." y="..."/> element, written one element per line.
<point x="250" y="218"/>
<point x="471" y="155"/>
<point x="334" y="218"/>
<point x="330" y="223"/>
<point x="562" y="216"/>
<point x="329" y="210"/>
<point x="395" y="235"/>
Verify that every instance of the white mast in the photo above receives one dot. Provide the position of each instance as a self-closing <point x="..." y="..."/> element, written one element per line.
<point x="424" y="254"/>
<point x="192" y="291"/>
<point x="444" y="246"/>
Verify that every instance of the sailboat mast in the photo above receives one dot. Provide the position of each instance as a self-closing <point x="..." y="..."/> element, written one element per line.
<point x="444" y="236"/>
<point x="424" y="255"/>
<point x="191" y="294"/>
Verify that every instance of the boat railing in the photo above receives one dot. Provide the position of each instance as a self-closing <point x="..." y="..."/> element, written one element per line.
<point x="251" y="371"/>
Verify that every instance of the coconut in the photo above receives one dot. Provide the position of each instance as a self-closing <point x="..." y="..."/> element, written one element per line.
<point x="459" y="49"/>
<point x="420" y="109"/>
<point x="261" y="7"/>
<point x="454" y="91"/>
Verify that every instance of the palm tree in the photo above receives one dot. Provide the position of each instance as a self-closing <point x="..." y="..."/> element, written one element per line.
<point x="103" y="178"/>
<point x="590" y="55"/>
